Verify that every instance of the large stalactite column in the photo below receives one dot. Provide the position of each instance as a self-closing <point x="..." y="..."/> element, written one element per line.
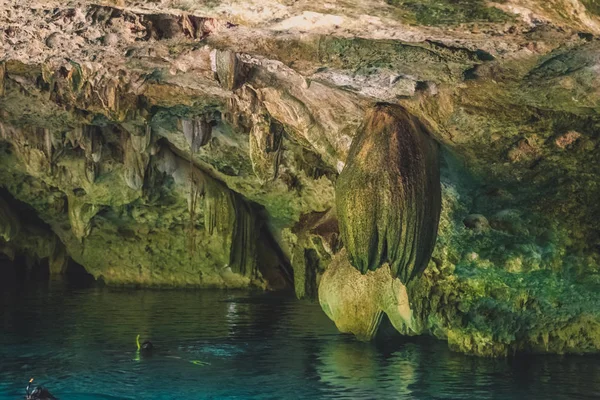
<point x="388" y="203"/>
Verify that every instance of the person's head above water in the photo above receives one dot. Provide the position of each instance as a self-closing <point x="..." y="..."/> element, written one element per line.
<point x="38" y="393"/>
<point x="147" y="346"/>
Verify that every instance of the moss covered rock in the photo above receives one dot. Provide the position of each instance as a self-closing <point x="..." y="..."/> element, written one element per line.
<point x="388" y="195"/>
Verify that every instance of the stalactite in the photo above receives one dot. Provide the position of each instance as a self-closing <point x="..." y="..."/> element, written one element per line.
<point x="193" y="197"/>
<point x="243" y="251"/>
<point x="31" y="147"/>
<point x="57" y="141"/>
<point x="74" y="137"/>
<point x="58" y="258"/>
<point x="90" y="140"/>
<point x="219" y="206"/>
<point x="388" y="195"/>
<point x="135" y="164"/>
<point x="48" y="143"/>
<point x="266" y="148"/>
<point x="166" y="161"/>
<point x="197" y="132"/>
<point x="226" y="215"/>
<point x="2" y="78"/>
<point x="192" y="204"/>
<point x="136" y="148"/>
<point x="91" y="171"/>
<point x="39" y="139"/>
<point x="230" y="70"/>
<point x="141" y="139"/>
<point x="80" y="215"/>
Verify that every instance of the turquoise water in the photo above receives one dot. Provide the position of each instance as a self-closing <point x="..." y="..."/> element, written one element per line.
<point x="80" y="343"/>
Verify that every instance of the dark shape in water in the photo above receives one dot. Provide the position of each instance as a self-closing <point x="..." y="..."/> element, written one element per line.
<point x="39" y="393"/>
<point x="147" y="346"/>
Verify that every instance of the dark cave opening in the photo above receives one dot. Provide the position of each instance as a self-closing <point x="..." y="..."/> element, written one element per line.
<point x="19" y="265"/>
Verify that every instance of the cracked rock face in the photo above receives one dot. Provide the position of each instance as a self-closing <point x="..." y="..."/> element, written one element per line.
<point x="181" y="143"/>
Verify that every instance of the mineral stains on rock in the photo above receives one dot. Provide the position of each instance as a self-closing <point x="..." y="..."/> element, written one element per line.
<point x="388" y="195"/>
<point x="202" y="144"/>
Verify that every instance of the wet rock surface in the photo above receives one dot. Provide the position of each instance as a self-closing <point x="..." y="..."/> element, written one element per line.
<point x="204" y="144"/>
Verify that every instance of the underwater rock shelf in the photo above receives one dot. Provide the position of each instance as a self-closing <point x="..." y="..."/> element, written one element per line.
<point x="430" y="165"/>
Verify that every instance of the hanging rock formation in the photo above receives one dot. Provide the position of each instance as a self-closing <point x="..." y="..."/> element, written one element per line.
<point x="136" y="158"/>
<point x="197" y="132"/>
<point x="356" y="302"/>
<point x="388" y="195"/>
<point x="282" y="146"/>
<point x="388" y="204"/>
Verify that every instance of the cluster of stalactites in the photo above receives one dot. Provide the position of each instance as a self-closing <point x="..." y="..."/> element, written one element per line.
<point x="88" y="138"/>
<point x="136" y="149"/>
<point x="388" y="195"/>
<point x="265" y="148"/>
<point x="226" y="214"/>
<point x="34" y="146"/>
<point x="246" y="112"/>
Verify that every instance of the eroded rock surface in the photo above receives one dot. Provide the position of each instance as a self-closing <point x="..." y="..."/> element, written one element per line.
<point x="180" y="143"/>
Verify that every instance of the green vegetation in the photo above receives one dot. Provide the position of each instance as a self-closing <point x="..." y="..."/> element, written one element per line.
<point x="505" y="288"/>
<point x="593" y="6"/>
<point x="450" y="12"/>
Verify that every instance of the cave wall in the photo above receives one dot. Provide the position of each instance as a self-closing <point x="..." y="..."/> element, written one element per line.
<point x="200" y="145"/>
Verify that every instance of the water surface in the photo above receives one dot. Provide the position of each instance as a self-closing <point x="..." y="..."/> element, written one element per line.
<point x="80" y="343"/>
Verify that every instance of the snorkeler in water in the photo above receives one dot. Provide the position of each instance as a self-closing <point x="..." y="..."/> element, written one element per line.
<point x="39" y="393"/>
<point x="146" y="348"/>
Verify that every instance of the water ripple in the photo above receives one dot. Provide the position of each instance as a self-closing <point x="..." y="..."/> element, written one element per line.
<point x="236" y="345"/>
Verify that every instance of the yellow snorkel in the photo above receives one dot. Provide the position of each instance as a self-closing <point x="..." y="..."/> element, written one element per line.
<point x="137" y="352"/>
<point x="139" y="349"/>
<point x="199" y="362"/>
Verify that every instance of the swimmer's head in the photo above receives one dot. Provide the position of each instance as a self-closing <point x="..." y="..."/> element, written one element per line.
<point x="147" y="346"/>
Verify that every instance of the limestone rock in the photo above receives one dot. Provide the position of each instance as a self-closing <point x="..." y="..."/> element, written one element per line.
<point x="197" y="132"/>
<point x="9" y="222"/>
<point x="476" y="222"/>
<point x="80" y="216"/>
<point x="92" y="99"/>
<point x="388" y="195"/>
<point x="229" y="69"/>
<point x="356" y="302"/>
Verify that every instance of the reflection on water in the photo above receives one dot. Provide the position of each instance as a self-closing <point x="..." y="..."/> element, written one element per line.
<point x="236" y="345"/>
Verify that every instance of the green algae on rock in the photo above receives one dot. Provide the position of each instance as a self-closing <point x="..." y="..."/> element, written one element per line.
<point x="388" y="195"/>
<point x="165" y="148"/>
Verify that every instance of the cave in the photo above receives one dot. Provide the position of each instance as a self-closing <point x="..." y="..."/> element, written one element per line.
<point x="354" y="191"/>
